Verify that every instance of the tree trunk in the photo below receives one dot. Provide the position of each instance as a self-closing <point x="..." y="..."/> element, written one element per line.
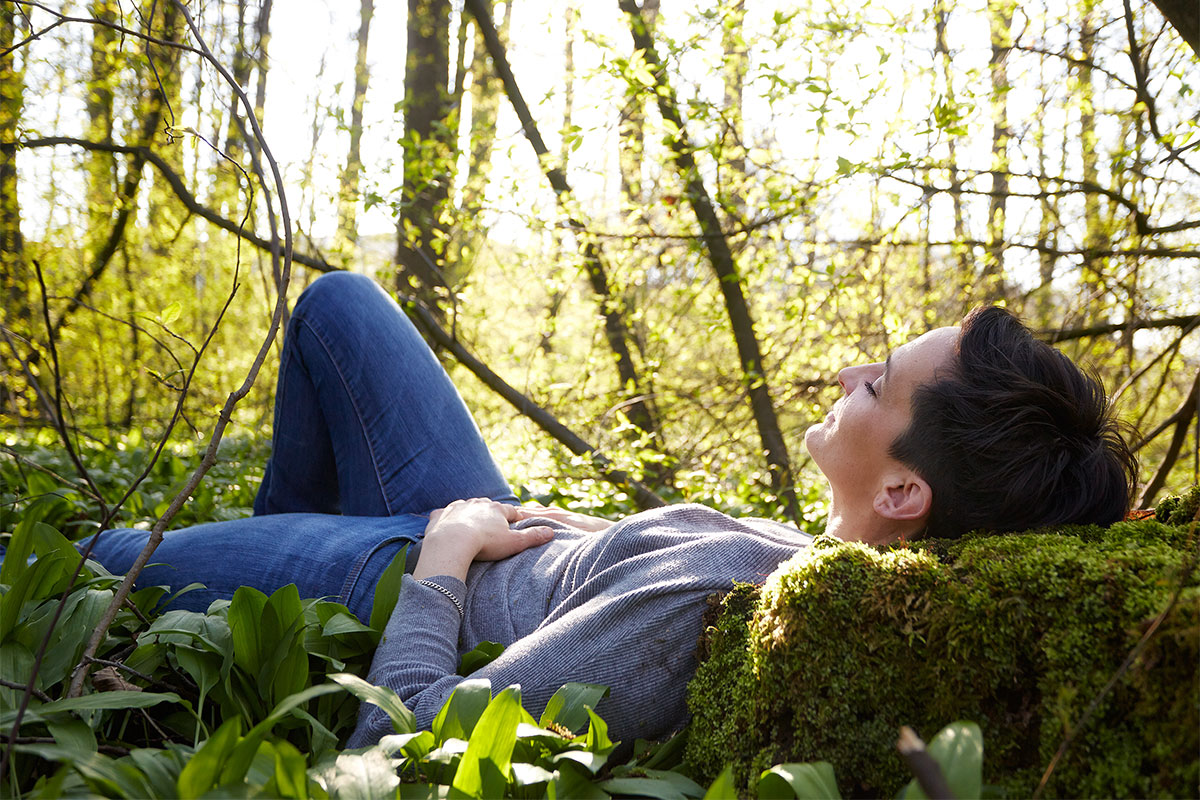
<point x="732" y="166"/>
<point x="721" y="257"/>
<point x="101" y="167"/>
<point x="1184" y="16"/>
<point x="348" y="195"/>
<point x="1000" y="13"/>
<point x="632" y="132"/>
<point x="14" y="277"/>
<point x="485" y="103"/>
<point x="428" y="154"/>
<point x="966" y="277"/>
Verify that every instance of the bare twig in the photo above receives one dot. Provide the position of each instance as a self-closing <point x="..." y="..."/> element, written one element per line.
<point x="927" y="772"/>
<point x="38" y="693"/>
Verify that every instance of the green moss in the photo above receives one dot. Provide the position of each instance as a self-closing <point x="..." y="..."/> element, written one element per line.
<point x="1181" y="509"/>
<point x="845" y="643"/>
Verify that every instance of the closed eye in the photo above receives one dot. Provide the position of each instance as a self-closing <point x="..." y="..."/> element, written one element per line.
<point x="870" y="387"/>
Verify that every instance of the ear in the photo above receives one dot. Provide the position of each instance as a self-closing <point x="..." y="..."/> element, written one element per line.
<point x="903" y="497"/>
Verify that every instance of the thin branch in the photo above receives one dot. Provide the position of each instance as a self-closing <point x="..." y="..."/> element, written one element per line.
<point x="423" y="317"/>
<point x="1186" y="322"/>
<point x="927" y="772"/>
<point x="1180" y="419"/>
<point x="181" y="191"/>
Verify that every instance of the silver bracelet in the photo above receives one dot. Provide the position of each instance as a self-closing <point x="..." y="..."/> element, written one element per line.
<point x="457" y="603"/>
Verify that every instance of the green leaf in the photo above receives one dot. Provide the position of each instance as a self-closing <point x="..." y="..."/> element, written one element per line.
<point x="479" y="657"/>
<point x="387" y="591"/>
<point x="575" y="783"/>
<point x="723" y="788"/>
<point x="457" y="717"/>
<point x="246" y="624"/>
<point x="644" y="787"/>
<point x="485" y="767"/>
<point x="568" y="707"/>
<point x="291" y="770"/>
<point x="359" y="776"/>
<point x="844" y="167"/>
<point x="91" y="702"/>
<point x="597" y="740"/>
<point x="73" y="734"/>
<point x="170" y="313"/>
<point x="203" y="770"/>
<point x="958" y="750"/>
<point x="20" y="546"/>
<point x="403" y="720"/>
<point x="813" y="781"/>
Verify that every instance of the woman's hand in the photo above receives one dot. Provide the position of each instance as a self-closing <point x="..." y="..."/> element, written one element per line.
<point x="572" y="518"/>
<point x="473" y="530"/>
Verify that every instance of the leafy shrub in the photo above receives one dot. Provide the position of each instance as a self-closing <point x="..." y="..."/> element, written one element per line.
<point x="845" y="643"/>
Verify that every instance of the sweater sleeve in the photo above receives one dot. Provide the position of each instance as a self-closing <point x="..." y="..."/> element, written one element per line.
<point x="419" y="646"/>
<point x="640" y="644"/>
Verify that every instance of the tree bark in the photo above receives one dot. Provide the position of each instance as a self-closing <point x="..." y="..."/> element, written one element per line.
<point x="428" y="154"/>
<point x="1184" y="16"/>
<point x="348" y="194"/>
<point x="1000" y="14"/>
<point x="14" y="277"/>
<point x="721" y="257"/>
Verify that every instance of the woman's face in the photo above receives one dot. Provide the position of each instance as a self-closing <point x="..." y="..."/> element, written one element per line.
<point x="851" y="445"/>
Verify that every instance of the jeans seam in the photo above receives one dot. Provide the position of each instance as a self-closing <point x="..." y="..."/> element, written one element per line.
<point x="346" y="384"/>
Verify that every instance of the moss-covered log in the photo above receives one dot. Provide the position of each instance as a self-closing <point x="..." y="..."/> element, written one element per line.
<point x="845" y="643"/>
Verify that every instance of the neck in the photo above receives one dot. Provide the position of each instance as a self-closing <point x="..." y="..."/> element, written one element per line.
<point x="860" y="523"/>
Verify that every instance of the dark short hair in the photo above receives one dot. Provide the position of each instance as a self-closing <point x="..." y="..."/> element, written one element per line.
<point x="1013" y="435"/>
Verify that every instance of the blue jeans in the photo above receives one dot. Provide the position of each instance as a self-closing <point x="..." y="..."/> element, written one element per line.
<point x="370" y="436"/>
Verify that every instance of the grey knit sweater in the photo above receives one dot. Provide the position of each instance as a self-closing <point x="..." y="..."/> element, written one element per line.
<point x="621" y="608"/>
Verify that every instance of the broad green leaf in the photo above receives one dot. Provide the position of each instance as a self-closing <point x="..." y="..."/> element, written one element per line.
<point x="203" y="770"/>
<point x="102" y="774"/>
<point x="359" y="776"/>
<point x="644" y="787"/>
<point x="567" y="706"/>
<point x="403" y="720"/>
<point x="597" y="740"/>
<point x="813" y="781"/>
<point x="92" y="702"/>
<point x="723" y="788"/>
<point x="484" y="769"/>
<point x="341" y="624"/>
<point x="242" y="756"/>
<point x="479" y="657"/>
<point x="246" y="624"/>
<point x="457" y="717"/>
<point x="291" y="770"/>
<point x="72" y="734"/>
<point x="387" y="591"/>
<point x="958" y="750"/>
<point x="31" y="585"/>
<point x="20" y="545"/>
<point x="16" y="664"/>
<point x="574" y="782"/>
<point x="161" y="768"/>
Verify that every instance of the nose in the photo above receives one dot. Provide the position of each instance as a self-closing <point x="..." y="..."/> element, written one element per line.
<point x="852" y="378"/>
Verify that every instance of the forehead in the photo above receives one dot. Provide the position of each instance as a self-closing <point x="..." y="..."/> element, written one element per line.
<point x="916" y="362"/>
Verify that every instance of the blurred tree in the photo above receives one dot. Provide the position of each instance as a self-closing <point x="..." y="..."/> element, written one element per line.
<point x="429" y="152"/>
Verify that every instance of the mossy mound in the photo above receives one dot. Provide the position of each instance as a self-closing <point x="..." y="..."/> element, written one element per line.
<point x="845" y="643"/>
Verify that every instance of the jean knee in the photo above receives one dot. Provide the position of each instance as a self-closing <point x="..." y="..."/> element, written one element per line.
<point x="339" y="294"/>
